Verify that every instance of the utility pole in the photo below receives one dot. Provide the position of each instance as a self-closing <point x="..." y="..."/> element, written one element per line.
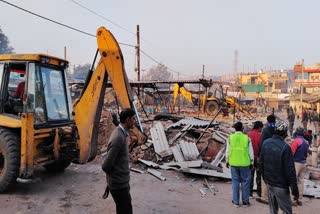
<point x="65" y="52"/>
<point x="138" y="57"/>
<point x="203" y="71"/>
<point x="301" y="85"/>
<point x="138" y="52"/>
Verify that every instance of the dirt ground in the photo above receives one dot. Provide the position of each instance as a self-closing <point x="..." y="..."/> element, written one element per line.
<point x="79" y="190"/>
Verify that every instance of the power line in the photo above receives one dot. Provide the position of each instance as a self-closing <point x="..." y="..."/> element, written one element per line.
<point x="59" y="23"/>
<point x="156" y="61"/>
<point x="56" y="22"/>
<point x="83" y="32"/>
<point x="108" y="20"/>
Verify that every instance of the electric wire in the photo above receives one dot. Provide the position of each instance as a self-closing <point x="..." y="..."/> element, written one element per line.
<point x="56" y="22"/>
<point x="108" y="20"/>
<point x="86" y="33"/>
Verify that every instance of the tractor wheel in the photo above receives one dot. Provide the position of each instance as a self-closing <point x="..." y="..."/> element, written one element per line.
<point x="212" y="107"/>
<point x="9" y="159"/>
<point x="58" y="165"/>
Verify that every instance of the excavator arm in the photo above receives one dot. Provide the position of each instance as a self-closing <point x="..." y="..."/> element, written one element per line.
<point x="87" y="110"/>
<point x="179" y="89"/>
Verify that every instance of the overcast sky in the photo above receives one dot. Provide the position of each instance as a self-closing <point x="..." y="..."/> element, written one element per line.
<point x="182" y="34"/>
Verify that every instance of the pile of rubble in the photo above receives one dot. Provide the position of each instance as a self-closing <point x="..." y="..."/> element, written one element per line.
<point x="189" y="145"/>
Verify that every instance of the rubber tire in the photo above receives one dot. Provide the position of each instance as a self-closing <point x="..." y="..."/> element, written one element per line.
<point x="212" y="107"/>
<point x="57" y="166"/>
<point x="10" y="152"/>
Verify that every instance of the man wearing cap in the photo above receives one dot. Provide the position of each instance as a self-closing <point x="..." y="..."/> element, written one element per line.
<point x="299" y="149"/>
<point x="278" y="171"/>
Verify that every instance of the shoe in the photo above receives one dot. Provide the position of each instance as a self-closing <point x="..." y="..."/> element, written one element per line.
<point x="294" y="203"/>
<point x="251" y="197"/>
<point x="261" y="200"/>
<point x="246" y="204"/>
<point x="235" y="205"/>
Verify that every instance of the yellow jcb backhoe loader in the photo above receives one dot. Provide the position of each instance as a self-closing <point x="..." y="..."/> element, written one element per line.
<point x="42" y="127"/>
<point x="210" y="105"/>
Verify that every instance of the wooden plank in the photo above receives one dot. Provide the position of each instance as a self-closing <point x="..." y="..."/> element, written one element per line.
<point x="211" y="190"/>
<point x="221" y="154"/>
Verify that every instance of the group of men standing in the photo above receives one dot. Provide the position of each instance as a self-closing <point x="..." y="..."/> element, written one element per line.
<point x="309" y="119"/>
<point x="264" y="151"/>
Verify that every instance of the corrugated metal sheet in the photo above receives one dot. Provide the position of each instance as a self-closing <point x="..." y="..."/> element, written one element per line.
<point x="159" y="139"/>
<point x="190" y="121"/>
<point x="254" y="88"/>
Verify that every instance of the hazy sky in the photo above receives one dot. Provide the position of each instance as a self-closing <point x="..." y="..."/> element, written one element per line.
<point x="182" y="34"/>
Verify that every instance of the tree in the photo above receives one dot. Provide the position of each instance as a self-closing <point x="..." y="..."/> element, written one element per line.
<point x="5" y="48"/>
<point x="158" y="72"/>
<point x="81" y="71"/>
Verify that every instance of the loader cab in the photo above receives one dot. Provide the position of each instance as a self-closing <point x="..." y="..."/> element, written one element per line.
<point x="43" y="88"/>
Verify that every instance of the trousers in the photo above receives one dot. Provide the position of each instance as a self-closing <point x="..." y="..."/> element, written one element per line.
<point x="279" y="198"/>
<point x="122" y="199"/>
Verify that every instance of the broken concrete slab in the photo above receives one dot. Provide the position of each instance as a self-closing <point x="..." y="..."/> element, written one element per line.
<point x="159" y="139"/>
<point x="208" y="172"/>
<point x="149" y="163"/>
<point x="156" y="173"/>
<point x="136" y="170"/>
<point x="177" y="153"/>
<point x="185" y="164"/>
<point x="311" y="188"/>
<point x="189" y="151"/>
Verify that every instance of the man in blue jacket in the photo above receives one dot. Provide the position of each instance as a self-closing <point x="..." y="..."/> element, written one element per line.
<point x="278" y="170"/>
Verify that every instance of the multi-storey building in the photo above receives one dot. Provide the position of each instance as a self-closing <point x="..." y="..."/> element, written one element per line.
<point x="308" y="78"/>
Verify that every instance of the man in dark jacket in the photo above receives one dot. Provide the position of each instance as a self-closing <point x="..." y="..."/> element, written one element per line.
<point x="116" y="164"/>
<point x="267" y="133"/>
<point x="299" y="147"/>
<point x="291" y="117"/>
<point x="278" y="171"/>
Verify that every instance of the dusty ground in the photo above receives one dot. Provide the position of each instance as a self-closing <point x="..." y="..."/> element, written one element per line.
<point x="79" y="191"/>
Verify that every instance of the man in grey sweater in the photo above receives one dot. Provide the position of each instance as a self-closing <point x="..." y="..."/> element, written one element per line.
<point x="116" y="164"/>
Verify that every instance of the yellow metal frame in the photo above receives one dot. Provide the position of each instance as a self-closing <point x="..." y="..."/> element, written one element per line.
<point x="33" y="57"/>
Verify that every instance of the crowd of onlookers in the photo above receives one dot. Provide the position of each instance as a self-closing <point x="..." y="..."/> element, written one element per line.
<point x="279" y="166"/>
